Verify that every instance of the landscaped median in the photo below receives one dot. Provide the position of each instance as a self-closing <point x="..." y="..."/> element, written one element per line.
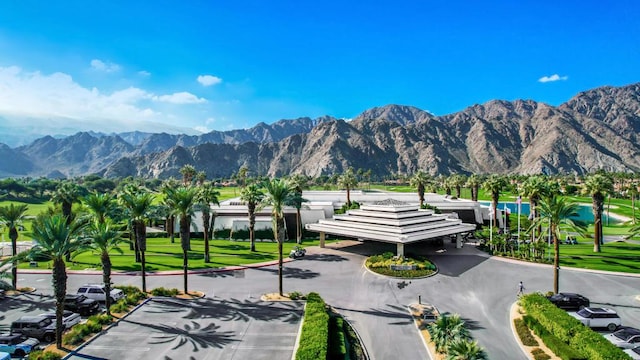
<point x="564" y="335"/>
<point x="402" y="267"/>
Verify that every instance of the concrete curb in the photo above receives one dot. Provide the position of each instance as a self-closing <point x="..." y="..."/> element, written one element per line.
<point x="424" y="342"/>
<point x="515" y="333"/>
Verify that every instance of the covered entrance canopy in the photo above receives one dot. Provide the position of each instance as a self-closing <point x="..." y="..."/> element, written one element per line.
<point x="392" y="221"/>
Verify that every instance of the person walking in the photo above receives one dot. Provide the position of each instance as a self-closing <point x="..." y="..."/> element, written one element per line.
<point x="520" y="288"/>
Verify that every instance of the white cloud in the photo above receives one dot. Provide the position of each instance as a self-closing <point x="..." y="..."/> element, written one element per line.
<point x="144" y="73"/>
<point x="108" y="67"/>
<point x="554" y="77"/>
<point x="202" y="129"/>
<point x="180" y="98"/>
<point x="46" y="96"/>
<point x="208" y="80"/>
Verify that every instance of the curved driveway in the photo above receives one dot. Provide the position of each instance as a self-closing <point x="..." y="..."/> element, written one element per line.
<point x="481" y="289"/>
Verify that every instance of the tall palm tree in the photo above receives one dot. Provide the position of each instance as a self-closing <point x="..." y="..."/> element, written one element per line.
<point x="419" y="181"/>
<point x="12" y="217"/>
<point x="597" y="186"/>
<point x="188" y="172"/>
<point x="184" y="200"/>
<point x="139" y="203"/>
<point x="168" y="186"/>
<point x="299" y="183"/>
<point x="100" y="205"/>
<point x="207" y="196"/>
<point x="474" y="182"/>
<point x="494" y="184"/>
<point x="556" y="213"/>
<point x="252" y="195"/>
<point x="278" y="193"/>
<point x="104" y="237"/>
<point x="66" y="194"/>
<point x="54" y="239"/>
<point x="243" y="172"/>
<point x="457" y="181"/>
<point x="348" y="181"/>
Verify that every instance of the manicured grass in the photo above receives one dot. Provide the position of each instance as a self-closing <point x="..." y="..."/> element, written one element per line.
<point x="162" y="255"/>
<point x="616" y="256"/>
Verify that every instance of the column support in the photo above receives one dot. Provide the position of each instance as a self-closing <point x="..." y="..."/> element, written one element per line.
<point x="322" y="238"/>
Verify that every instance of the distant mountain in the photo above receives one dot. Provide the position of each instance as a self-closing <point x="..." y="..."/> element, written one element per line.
<point x="596" y="129"/>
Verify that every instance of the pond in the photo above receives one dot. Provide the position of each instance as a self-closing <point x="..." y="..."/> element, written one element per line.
<point x="585" y="213"/>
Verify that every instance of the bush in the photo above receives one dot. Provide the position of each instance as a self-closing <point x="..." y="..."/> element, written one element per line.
<point x="296" y="295"/>
<point x="539" y="354"/>
<point x="314" y="336"/>
<point x="128" y="289"/>
<point x="44" y="355"/>
<point x="381" y="264"/>
<point x="120" y="306"/>
<point x="102" y="319"/>
<point x="596" y="347"/>
<point x="164" y="292"/>
<point x="337" y="341"/>
<point x="524" y="333"/>
<point x="560" y="348"/>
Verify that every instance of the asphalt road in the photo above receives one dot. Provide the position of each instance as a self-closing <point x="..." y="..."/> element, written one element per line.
<point x="479" y="288"/>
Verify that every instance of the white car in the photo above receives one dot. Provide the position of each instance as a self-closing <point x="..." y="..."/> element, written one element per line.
<point x="598" y="318"/>
<point x="97" y="292"/>
<point x="626" y="338"/>
<point x="634" y="353"/>
<point x="69" y="318"/>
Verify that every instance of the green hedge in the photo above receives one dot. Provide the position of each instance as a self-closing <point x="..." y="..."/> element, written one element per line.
<point x="337" y="339"/>
<point x="524" y="333"/>
<point x="44" y="355"/>
<point x="567" y="337"/>
<point x="314" y="337"/>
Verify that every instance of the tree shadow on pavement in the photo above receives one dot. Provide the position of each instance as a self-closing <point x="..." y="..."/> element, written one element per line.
<point x="218" y="274"/>
<point x="325" y="257"/>
<point x="394" y="311"/>
<point x="28" y="303"/>
<point x="229" y="310"/>
<point x="472" y="324"/>
<point x="291" y="272"/>
<point x="456" y="265"/>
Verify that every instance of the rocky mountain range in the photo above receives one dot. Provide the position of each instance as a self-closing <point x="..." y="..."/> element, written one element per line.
<point x="596" y="129"/>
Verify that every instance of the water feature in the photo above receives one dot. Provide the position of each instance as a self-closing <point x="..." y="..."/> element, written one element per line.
<point x="585" y="213"/>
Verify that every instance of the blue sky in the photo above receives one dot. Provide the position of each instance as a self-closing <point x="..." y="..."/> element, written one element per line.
<point x="219" y="65"/>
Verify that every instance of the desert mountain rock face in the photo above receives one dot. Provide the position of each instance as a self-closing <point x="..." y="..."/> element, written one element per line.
<point x="596" y="129"/>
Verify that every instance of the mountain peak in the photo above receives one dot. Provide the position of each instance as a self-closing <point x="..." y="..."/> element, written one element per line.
<point x="401" y="114"/>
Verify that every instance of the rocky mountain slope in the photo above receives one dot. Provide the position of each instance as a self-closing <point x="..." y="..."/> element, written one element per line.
<point x="596" y="129"/>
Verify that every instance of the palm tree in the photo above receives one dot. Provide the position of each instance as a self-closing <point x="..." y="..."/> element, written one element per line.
<point x="252" y="195"/>
<point x="207" y="195"/>
<point x="12" y="217"/>
<point x="419" y="180"/>
<point x="299" y="183"/>
<point x="104" y="237"/>
<point x="188" y="172"/>
<point x="494" y="184"/>
<point x="447" y="329"/>
<point x="464" y="349"/>
<point x="474" y="182"/>
<point x="278" y="193"/>
<point x="66" y="194"/>
<point x="597" y="186"/>
<point x="243" y="172"/>
<point x="100" y="206"/>
<point x="457" y="181"/>
<point x="535" y="187"/>
<point x="183" y="200"/>
<point x="166" y="188"/>
<point x="348" y="181"/>
<point x="556" y="212"/>
<point x="139" y="203"/>
<point x="55" y="239"/>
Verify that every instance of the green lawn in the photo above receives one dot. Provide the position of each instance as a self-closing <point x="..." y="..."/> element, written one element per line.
<point x="617" y="256"/>
<point x="162" y="255"/>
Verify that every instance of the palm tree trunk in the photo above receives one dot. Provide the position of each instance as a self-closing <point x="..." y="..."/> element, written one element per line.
<point x="348" y="197"/>
<point x="556" y="263"/>
<point x="141" y="245"/>
<point x="421" y="194"/>
<point x="252" y="227"/>
<point x="13" y="235"/>
<point x="205" y="224"/>
<point x="597" y="225"/>
<point x="106" y="279"/>
<point x="60" y="289"/>
<point x="298" y="227"/>
<point x="184" y="241"/>
<point x="280" y="232"/>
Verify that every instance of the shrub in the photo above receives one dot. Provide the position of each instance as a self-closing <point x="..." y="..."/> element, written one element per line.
<point x="561" y="349"/>
<point x="102" y="319"/>
<point x="120" y="306"/>
<point x="128" y="289"/>
<point x="337" y="341"/>
<point x="164" y="292"/>
<point x="596" y="347"/>
<point x="539" y="354"/>
<point x="314" y="336"/>
<point x="524" y="333"/>
<point x="296" y="295"/>
<point x="44" y="355"/>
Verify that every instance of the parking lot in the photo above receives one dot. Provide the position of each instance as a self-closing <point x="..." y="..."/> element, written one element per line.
<point x="167" y="328"/>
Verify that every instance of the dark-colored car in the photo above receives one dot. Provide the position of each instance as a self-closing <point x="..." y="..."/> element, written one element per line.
<point x="17" y="345"/>
<point x="569" y="301"/>
<point x="39" y="327"/>
<point x="81" y="304"/>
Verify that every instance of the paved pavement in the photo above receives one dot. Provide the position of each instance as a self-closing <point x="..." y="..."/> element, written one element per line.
<point x="165" y="328"/>
<point x="480" y="288"/>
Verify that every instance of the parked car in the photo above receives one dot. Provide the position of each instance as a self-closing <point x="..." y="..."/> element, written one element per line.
<point x="17" y="345"/>
<point x="569" y="301"/>
<point x="2" y="294"/>
<point x="598" y="318"/>
<point x="81" y="304"/>
<point x="634" y="353"/>
<point x="626" y="338"/>
<point x="39" y="327"/>
<point x="5" y="356"/>
<point x="97" y="292"/>
<point x="69" y="318"/>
